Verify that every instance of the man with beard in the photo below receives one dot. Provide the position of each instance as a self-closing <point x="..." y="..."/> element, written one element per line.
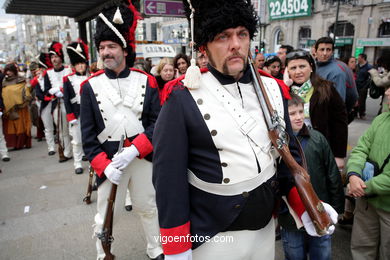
<point x="117" y="103"/>
<point x="214" y="167"/>
<point x="52" y="92"/>
<point x="78" y="54"/>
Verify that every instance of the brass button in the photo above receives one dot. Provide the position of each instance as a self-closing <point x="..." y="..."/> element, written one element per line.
<point x="245" y="194"/>
<point x="143" y="86"/>
<point x="213" y="132"/>
<point x="237" y="206"/>
<point x="109" y="137"/>
<point x="220" y="149"/>
<point x="105" y="119"/>
<point x="224" y="164"/>
<point x="206" y="116"/>
<point x="139" y="119"/>
<point x="96" y="94"/>
<point x="199" y="101"/>
<point x="141" y="103"/>
<point x="226" y="180"/>
<point x="99" y="102"/>
<point x="101" y="110"/>
<point x="143" y="95"/>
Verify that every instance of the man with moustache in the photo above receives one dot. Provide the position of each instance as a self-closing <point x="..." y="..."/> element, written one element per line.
<point x="214" y="167"/>
<point x="120" y="102"/>
<point x="52" y="92"/>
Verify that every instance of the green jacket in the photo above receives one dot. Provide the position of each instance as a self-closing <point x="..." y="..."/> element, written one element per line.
<point x="374" y="144"/>
<point x="324" y="174"/>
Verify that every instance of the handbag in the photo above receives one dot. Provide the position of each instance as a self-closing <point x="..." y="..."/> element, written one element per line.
<point x="371" y="168"/>
<point x="375" y="92"/>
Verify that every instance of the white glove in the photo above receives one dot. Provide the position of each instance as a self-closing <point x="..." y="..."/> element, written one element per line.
<point x="187" y="255"/>
<point x="1" y="114"/>
<point x="53" y="91"/>
<point x="123" y="159"/>
<point x="73" y="122"/>
<point x="113" y="174"/>
<point x="59" y="94"/>
<point x="309" y="225"/>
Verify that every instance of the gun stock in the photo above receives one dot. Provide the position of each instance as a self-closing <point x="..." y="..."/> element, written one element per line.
<point x="87" y="198"/>
<point x="278" y="137"/>
<point x="59" y="128"/>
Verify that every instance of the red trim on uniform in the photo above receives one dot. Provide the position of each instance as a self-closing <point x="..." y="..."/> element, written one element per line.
<point x="143" y="145"/>
<point x="151" y="80"/>
<point x="97" y="73"/>
<point x="34" y="82"/>
<point x="183" y="242"/>
<point x="48" y="98"/>
<point x="127" y="143"/>
<point x="70" y="117"/>
<point x="295" y="201"/>
<point x="99" y="163"/>
<point x="65" y="78"/>
<point x="282" y="85"/>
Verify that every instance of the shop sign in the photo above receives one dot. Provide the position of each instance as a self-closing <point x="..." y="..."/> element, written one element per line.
<point x="343" y="41"/>
<point x="373" y="42"/>
<point x="285" y="9"/>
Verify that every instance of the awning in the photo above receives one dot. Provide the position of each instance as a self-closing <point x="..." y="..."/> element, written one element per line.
<point x="80" y="10"/>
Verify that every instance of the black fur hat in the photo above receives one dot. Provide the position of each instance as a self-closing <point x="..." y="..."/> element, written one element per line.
<point x="77" y="52"/>
<point x="44" y="61"/>
<point x="56" y="48"/>
<point x="213" y="17"/>
<point x="124" y="19"/>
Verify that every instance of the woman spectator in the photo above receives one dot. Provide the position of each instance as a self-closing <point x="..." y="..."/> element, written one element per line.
<point x="381" y="78"/>
<point x="16" y="97"/>
<point x="351" y="63"/>
<point x="272" y="65"/>
<point x="181" y="63"/>
<point x="165" y="72"/>
<point x="324" y="109"/>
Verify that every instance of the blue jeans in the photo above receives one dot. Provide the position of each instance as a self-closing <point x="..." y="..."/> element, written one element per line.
<point x="299" y="245"/>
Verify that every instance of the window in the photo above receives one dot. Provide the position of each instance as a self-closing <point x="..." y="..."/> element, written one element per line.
<point x="344" y="28"/>
<point x="303" y="36"/>
<point x="384" y="30"/>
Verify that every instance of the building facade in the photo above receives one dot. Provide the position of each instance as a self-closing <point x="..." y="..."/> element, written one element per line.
<point x="362" y="25"/>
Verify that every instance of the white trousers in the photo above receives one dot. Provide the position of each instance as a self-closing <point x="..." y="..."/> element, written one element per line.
<point x="137" y="177"/>
<point x="47" y="119"/>
<point x="63" y="128"/>
<point x="239" y="245"/>
<point x="75" y="132"/>
<point x="3" y="144"/>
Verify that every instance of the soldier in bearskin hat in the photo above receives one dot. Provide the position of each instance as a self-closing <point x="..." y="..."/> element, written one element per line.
<point x="78" y="55"/>
<point x="214" y="168"/>
<point x="121" y="102"/>
<point x="52" y="93"/>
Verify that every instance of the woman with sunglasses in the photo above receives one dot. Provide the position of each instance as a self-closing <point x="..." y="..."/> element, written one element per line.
<point x="325" y="111"/>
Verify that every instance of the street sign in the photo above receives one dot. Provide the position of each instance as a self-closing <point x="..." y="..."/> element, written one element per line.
<point x="164" y="8"/>
<point x="285" y="9"/>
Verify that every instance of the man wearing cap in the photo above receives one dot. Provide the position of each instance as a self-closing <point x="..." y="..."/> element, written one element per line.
<point x="117" y="103"/>
<point x="78" y="55"/>
<point x="214" y="168"/>
<point x="52" y="92"/>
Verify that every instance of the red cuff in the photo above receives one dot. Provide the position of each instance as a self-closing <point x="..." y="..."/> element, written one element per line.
<point x="176" y="240"/>
<point x="48" y="98"/>
<point x="295" y="201"/>
<point x="70" y="117"/>
<point x="99" y="163"/>
<point x="143" y="145"/>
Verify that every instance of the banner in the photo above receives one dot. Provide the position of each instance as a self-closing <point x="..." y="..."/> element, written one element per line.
<point x="287" y="9"/>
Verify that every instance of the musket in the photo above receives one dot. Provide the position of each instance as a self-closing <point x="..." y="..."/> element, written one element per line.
<point x="106" y="235"/>
<point x="59" y="127"/>
<point x="87" y="198"/>
<point x="279" y="139"/>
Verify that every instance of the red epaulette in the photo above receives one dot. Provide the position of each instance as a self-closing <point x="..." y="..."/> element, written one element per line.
<point x="97" y="73"/>
<point x="34" y="82"/>
<point x="65" y="78"/>
<point x="151" y="80"/>
<point x="282" y="85"/>
<point x="174" y="84"/>
<point x="45" y="72"/>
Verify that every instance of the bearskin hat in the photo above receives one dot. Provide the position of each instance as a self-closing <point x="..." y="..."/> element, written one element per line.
<point x="56" y="48"/>
<point x="213" y="17"/>
<point x="118" y="24"/>
<point x="77" y="52"/>
<point x="44" y="60"/>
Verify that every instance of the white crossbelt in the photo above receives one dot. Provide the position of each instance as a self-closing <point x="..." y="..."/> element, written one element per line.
<point x="235" y="188"/>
